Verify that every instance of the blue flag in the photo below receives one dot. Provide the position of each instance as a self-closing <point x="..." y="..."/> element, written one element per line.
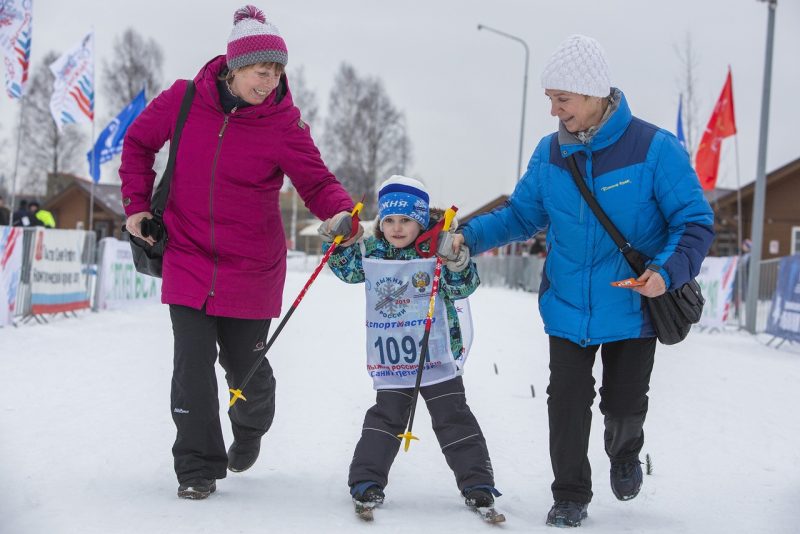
<point x="109" y="142"/>
<point x="679" y="130"/>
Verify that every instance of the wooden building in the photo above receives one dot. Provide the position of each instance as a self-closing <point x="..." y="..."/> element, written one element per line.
<point x="781" y="220"/>
<point x="499" y="202"/>
<point x="534" y="246"/>
<point x="68" y="200"/>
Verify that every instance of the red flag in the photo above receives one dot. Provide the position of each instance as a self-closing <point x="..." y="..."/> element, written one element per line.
<point x="722" y="124"/>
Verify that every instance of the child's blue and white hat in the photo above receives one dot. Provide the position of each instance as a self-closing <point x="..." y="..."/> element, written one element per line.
<point x="400" y="195"/>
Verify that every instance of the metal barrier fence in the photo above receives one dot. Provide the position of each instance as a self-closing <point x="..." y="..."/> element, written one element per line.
<point x="23" y="305"/>
<point x="767" y="283"/>
<point x="525" y="272"/>
<point x="516" y="272"/>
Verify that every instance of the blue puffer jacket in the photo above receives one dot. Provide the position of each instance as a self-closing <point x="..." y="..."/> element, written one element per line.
<point x="642" y="178"/>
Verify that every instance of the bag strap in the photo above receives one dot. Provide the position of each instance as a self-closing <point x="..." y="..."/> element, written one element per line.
<point x="633" y="256"/>
<point x="162" y="191"/>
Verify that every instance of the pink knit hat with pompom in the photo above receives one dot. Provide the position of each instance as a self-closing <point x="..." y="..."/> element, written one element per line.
<point x="254" y="40"/>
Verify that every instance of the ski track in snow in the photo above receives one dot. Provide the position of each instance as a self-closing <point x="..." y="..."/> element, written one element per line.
<point x="86" y="430"/>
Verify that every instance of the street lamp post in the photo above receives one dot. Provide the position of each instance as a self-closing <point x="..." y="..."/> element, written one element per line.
<point x="760" y="195"/>
<point x="524" y="90"/>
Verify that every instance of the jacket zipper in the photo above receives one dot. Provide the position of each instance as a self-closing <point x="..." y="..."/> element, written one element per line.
<point x="211" y="292"/>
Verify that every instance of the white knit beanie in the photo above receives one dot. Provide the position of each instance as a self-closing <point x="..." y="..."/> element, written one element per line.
<point x="579" y="66"/>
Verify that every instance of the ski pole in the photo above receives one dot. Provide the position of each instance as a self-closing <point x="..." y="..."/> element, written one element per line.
<point x="236" y="394"/>
<point x="407" y="435"/>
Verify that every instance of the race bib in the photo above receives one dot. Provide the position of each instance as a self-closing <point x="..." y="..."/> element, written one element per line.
<point x="398" y="297"/>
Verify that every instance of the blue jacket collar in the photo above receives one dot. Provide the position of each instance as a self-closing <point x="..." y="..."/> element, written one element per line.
<point x="607" y="135"/>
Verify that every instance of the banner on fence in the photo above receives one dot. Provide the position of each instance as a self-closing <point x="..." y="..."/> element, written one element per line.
<point x="120" y="283"/>
<point x="58" y="277"/>
<point x="784" y="315"/>
<point x="716" y="279"/>
<point x="10" y="267"/>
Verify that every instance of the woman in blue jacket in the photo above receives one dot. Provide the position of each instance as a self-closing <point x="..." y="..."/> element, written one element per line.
<point x="642" y="178"/>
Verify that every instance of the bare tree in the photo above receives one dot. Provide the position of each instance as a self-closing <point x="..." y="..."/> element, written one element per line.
<point x="365" y="137"/>
<point x="43" y="147"/>
<point x="304" y="98"/>
<point x="687" y="85"/>
<point x="137" y="63"/>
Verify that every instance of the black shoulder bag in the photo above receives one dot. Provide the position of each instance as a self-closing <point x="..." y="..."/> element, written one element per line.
<point x="672" y="313"/>
<point x="148" y="259"/>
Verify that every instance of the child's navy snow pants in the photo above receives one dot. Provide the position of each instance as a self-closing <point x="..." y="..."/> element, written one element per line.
<point x="456" y="428"/>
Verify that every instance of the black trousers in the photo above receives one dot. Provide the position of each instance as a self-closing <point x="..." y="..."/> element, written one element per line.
<point x="627" y="365"/>
<point x="456" y="429"/>
<point x="199" y="448"/>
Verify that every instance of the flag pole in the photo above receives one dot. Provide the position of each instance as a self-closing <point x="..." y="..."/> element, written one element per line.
<point x="22" y="51"/>
<point x="91" y="195"/>
<point x="740" y="268"/>
<point x="94" y="142"/>
<point x="16" y="160"/>
<point x="739" y="236"/>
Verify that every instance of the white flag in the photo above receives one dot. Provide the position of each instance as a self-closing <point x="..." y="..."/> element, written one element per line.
<point x="73" y="89"/>
<point x="15" y="41"/>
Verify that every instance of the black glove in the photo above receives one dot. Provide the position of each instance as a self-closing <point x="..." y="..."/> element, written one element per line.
<point x="152" y="228"/>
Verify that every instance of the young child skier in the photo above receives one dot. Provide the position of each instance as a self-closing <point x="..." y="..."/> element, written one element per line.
<point x="398" y="287"/>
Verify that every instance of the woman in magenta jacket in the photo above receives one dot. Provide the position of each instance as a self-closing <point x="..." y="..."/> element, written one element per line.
<point x="225" y="261"/>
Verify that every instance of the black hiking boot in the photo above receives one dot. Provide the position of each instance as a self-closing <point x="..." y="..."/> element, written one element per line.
<point x="199" y="488"/>
<point x="243" y="454"/>
<point x="373" y="495"/>
<point x="626" y="479"/>
<point x="567" y="514"/>
<point x="479" y="498"/>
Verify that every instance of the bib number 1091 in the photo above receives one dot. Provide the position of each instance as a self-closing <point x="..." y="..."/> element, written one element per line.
<point x="390" y="349"/>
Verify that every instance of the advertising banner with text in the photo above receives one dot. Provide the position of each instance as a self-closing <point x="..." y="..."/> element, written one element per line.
<point x="120" y="283"/>
<point x="58" y="275"/>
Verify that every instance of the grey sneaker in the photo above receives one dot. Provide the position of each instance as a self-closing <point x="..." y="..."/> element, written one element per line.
<point x="199" y="488"/>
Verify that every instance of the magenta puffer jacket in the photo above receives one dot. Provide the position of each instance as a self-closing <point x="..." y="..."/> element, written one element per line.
<point x="226" y="247"/>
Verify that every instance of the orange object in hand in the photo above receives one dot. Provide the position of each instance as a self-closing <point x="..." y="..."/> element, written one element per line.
<point x="628" y="282"/>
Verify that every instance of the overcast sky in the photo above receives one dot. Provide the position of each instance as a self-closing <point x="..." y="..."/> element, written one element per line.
<point x="460" y="88"/>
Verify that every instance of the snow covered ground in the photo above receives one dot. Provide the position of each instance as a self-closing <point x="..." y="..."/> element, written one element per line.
<point x="85" y="431"/>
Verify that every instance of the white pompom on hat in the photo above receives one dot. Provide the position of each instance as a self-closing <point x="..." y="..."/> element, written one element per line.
<point x="579" y="66"/>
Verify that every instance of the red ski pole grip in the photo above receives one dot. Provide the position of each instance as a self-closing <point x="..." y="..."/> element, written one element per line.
<point x="432" y="236"/>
